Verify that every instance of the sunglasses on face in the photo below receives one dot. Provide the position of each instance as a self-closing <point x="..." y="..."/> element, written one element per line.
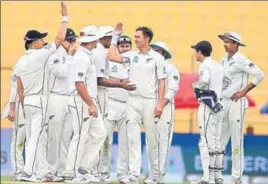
<point x="124" y="39"/>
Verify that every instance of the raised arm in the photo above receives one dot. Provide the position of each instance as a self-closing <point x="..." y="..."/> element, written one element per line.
<point x="64" y="25"/>
<point x="112" y="54"/>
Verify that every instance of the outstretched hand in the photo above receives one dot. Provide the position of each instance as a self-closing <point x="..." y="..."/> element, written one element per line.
<point x="118" y="29"/>
<point x="63" y="9"/>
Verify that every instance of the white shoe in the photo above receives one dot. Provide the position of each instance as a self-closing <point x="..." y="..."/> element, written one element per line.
<point x="51" y="178"/>
<point x="133" y="180"/>
<point x="92" y="178"/>
<point x="78" y="179"/>
<point x="17" y="177"/>
<point x="150" y="180"/>
<point x="26" y="177"/>
<point x="236" y="181"/>
<point x="105" y="179"/>
<point x="124" y="181"/>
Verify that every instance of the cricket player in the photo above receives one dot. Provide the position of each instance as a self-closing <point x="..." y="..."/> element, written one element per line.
<point x="13" y="111"/>
<point x="235" y="103"/>
<point x="89" y="132"/>
<point x="145" y="104"/>
<point x="208" y="91"/>
<point x="32" y="94"/>
<point x="102" y="66"/>
<point x="59" y="126"/>
<point x="166" y="122"/>
<point x="115" y="115"/>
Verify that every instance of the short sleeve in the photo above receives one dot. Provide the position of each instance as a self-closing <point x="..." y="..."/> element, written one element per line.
<point x="161" y="66"/>
<point x="100" y="61"/>
<point x="80" y="69"/>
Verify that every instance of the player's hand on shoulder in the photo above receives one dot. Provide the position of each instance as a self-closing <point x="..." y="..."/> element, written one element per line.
<point x="72" y="50"/>
<point x="127" y="85"/>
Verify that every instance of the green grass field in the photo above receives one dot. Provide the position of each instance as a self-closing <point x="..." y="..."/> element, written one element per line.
<point x="8" y="180"/>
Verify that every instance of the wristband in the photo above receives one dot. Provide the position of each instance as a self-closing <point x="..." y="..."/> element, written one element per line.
<point x="65" y="19"/>
<point x="114" y="39"/>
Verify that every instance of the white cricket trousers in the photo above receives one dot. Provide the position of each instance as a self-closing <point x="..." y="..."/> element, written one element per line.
<point x="35" y="107"/>
<point x="59" y="132"/>
<point x="233" y="123"/>
<point x="140" y="110"/>
<point x="88" y="137"/>
<point x="102" y="100"/>
<point x="115" y="116"/>
<point x="18" y="141"/>
<point x="164" y="135"/>
<point x="209" y="143"/>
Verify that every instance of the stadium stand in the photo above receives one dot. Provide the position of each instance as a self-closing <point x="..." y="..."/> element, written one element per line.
<point x="179" y="24"/>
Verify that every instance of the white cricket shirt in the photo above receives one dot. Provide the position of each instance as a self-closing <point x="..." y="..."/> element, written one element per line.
<point x="239" y="67"/>
<point x="211" y="76"/>
<point x="172" y="82"/>
<point x="59" y="68"/>
<point x="31" y="69"/>
<point x="145" y="70"/>
<point x="119" y="71"/>
<point x="85" y="70"/>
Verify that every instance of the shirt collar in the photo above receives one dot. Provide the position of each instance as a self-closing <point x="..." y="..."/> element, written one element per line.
<point x="234" y="57"/>
<point x="30" y="51"/>
<point x="149" y="53"/>
<point x="99" y="45"/>
<point x="207" y="60"/>
<point x="85" y="50"/>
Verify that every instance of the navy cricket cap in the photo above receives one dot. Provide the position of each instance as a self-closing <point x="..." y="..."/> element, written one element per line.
<point x="70" y="35"/>
<point x="33" y="35"/>
<point x="203" y="46"/>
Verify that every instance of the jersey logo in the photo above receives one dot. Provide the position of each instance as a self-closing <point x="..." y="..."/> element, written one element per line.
<point x="251" y="65"/>
<point x="148" y="60"/>
<point x="14" y="78"/>
<point x="80" y="74"/>
<point x="175" y="77"/>
<point x="114" y="69"/>
<point x="231" y="63"/>
<point x="164" y="70"/>
<point x="135" y="59"/>
<point x="56" y="61"/>
<point x="102" y="70"/>
<point x="226" y="82"/>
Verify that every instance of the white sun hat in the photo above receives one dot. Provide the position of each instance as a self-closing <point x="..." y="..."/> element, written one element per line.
<point x="107" y="30"/>
<point x="89" y="34"/>
<point x="233" y="36"/>
<point x="163" y="46"/>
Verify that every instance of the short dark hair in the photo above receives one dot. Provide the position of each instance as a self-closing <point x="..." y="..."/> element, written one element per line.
<point x="205" y="53"/>
<point x="204" y="47"/>
<point x="146" y="32"/>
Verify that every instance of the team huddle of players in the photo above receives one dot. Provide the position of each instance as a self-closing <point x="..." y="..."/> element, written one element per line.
<point x="66" y="100"/>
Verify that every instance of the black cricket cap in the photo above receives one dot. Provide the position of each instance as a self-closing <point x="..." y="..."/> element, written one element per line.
<point x="204" y="46"/>
<point x="70" y="35"/>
